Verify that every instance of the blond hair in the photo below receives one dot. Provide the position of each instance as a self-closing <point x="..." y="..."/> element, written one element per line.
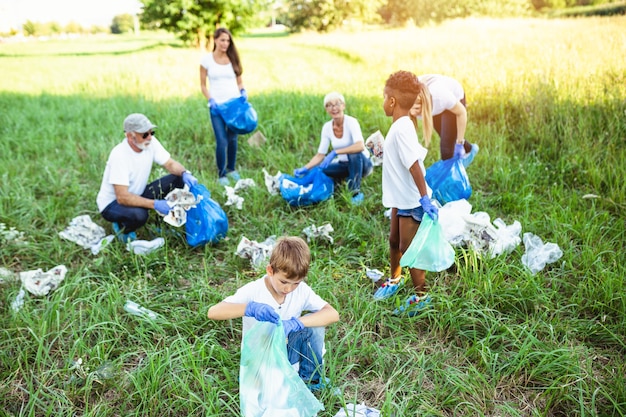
<point x="427" y="112"/>
<point x="292" y="257"/>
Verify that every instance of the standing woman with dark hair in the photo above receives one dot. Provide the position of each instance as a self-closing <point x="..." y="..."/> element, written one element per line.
<point x="449" y="116"/>
<point x="223" y="69"/>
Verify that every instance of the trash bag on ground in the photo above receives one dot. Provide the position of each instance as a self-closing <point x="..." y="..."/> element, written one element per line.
<point x="429" y="250"/>
<point x="312" y="188"/>
<point x="448" y="180"/>
<point x="207" y="221"/>
<point x="239" y="115"/>
<point x="268" y="384"/>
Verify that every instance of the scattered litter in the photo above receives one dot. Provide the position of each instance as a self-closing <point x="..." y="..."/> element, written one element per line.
<point x="375" y="144"/>
<point x="258" y="253"/>
<point x="11" y="234"/>
<point x="322" y="231"/>
<point x="537" y="254"/>
<point x="374" y="274"/>
<point x="86" y="233"/>
<point x="180" y="201"/>
<point x="6" y="275"/>
<point x="137" y="310"/>
<point x="95" y="249"/>
<point x="244" y="183"/>
<point x="41" y="283"/>
<point x="231" y="192"/>
<point x="257" y="139"/>
<point x="18" y="303"/>
<point x="272" y="183"/>
<point x="144" y="247"/>
<point x="360" y="410"/>
<point x="589" y="196"/>
<point x="83" y="374"/>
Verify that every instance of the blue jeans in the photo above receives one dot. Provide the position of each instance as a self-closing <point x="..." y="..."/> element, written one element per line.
<point x="355" y="169"/>
<point x="225" y="145"/>
<point x="132" y="218"/>
<point x="305" y="346"/>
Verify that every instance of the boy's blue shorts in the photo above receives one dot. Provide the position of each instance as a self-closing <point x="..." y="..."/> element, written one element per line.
<point x="417" y="213"/>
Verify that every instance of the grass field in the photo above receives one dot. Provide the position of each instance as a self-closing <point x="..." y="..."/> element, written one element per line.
<point x="547" y="105"/>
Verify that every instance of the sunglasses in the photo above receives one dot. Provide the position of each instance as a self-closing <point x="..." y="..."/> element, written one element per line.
<point x="149" y="133"/>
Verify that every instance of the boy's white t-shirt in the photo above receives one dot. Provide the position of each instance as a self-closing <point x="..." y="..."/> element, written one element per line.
<point x="445" y="91"/>
<point x="222" y="79"/>
<point x="401" y="150"/>
<point x="303" y="298"/>
<point x="351" y="134"/>
<point x="127" y="167"/>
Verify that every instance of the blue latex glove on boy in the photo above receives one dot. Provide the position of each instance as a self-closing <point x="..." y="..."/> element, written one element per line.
<point x="429" y="207"/>
<point x="329" y="158"/>
<point x="212" y="104"/>
<point x="292" y="325"/>
<point x="298" y="172"/>
<point x="244" y="93"/>
<point x="459" y="151"/>
<point x="261" y="312"/>
<point x="189" y="179"/>
<point x="162" y="207"/>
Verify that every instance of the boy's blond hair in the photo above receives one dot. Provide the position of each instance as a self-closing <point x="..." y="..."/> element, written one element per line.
<point x="292" y="257"/>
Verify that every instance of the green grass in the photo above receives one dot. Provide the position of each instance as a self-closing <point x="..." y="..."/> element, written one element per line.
<point x="547" y="103"/>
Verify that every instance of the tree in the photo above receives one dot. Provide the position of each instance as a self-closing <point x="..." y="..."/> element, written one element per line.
<point x="123" y="23"/>
<point x="194" y="20"/>
<point x="324" y="15"/>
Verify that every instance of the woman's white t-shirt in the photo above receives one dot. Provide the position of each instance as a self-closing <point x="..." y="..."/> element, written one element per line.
<point x="222" y="79"/>
<point x="351" y="134"/>
<point x="445" y="91"/>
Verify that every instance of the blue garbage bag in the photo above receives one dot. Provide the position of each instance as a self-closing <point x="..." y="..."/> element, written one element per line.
<point x="239" y="115"/>
<point x="268" y="385"/>
<point x="207" y="222"/>
<point x="429" y="250"/>
<point x="448" y="180"/>
<point x="312" y="188"/>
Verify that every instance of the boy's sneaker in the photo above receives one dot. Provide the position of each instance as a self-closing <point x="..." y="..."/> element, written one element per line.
<point x="234" y="175"/>
<point x="357" y="199"/>
<point x="324" y="383"/>
<point x="223" y="181"/>
<point x="388" y="289"/>
<point x="468" y="158"/>
<point x="412" y="305"/>
<point x="123" y="237"/>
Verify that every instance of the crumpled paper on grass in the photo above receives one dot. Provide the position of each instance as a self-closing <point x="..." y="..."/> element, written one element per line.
<point x="360" y="410"/>
<point x="11" y="234"/>
<point x="257" y="139"/>
<point x="231" y="192"/>
<point x="38" y="283"/>
<point x="323" y="232"/>
<point x="86" y="233"/>
<point x="272" y="183"/>
<point x="375" y="144"/>
<point x="538" y="254"/>
<point x="258" y="253"/>
<point x="180" y="200"/>
<point x="144" y="247"/>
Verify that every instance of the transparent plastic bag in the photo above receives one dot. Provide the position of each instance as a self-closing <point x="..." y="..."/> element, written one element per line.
<point x="429" y="250"/>
<point x="448" y="180"/>
<point x="268" y="384"/>
<point x="539" y="254"/>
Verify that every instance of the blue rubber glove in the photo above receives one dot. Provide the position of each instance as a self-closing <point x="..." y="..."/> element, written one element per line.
<point x="329" y="158"/>
<point x="459" y="151"/>
<point x="189" y="179"/>
<point x="244" y="93"/>
<point x="298" y="172"/>
<point x="162" y="207"/>
<point x="261" y="312"/>
<point x="292" y="325"/>
<point x="212" y="104"/>
<point x="429" y="207"/>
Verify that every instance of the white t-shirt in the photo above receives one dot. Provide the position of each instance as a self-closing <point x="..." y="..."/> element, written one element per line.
<point x="303" y="298"/>
<point x="127" y="167"/>
<point x="402" y="149"/>
<point x="445" y="91"/>
<point x="351" y="134"/>
<point x="222" y="79"/>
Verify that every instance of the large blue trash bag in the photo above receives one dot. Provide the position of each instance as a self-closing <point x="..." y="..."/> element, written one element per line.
<point x="239" y="115"/>
<point x="268" y="385"/>
<point x="207" y="222"/>
<point x="312" y="188"/>
<point x="429" y="250"/>
<point x="448" y="180"/>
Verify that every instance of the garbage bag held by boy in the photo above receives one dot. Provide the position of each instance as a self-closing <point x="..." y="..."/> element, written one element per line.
<point x="207" y="222"/>
<point x="429" y="250"/>
<point x="269" y="386"/>
<point x="448" y="180"/>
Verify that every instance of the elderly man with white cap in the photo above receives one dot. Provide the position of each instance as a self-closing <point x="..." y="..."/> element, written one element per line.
<point x="125" y="197"/>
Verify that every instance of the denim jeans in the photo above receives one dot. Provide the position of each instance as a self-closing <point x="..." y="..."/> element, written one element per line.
<point x="132" y="218"/>
<point x="305" y="346"/>
<point x="225" y="145"/>
<point x="355" y="169"/>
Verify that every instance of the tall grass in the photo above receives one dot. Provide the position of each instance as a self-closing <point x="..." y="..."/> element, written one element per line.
<point x="547" y="102"/>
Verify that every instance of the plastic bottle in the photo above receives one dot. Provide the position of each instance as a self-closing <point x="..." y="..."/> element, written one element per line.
<point x="137" y="310"/>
